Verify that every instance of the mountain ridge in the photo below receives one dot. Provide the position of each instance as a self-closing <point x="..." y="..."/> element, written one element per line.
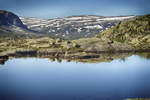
<point x="73" y="27"/>
<point x="68" y="28"/>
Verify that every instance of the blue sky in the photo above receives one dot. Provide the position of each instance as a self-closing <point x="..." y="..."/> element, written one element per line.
<point x="63" y="8"/>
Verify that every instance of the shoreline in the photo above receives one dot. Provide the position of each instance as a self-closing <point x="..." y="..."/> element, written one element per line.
<point x="84" y="56"/>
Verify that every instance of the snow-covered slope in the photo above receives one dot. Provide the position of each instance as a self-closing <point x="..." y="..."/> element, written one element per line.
<point x="73" y="27"/>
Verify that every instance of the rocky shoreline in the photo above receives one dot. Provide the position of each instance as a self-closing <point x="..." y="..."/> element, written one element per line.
<point x="86" y="57"/>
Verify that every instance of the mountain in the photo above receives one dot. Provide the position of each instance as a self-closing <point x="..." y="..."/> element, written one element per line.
<point x="69" y="28"/>
<point x="10" y="19"/>
<point x="12" y="26"/>
<point x="73" y="27"/>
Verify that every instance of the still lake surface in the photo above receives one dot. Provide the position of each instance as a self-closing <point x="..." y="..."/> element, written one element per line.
<point x="41" y="79"/>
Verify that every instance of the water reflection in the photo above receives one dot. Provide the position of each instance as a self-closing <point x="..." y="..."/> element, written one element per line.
<point x="80" y="57"/>
<point x="40" y="79"/>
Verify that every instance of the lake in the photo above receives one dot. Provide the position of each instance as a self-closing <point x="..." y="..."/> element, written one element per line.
<point x="33" y="78"/>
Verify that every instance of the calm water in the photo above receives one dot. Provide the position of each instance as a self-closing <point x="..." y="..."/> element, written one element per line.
<point x="41" y="79"/>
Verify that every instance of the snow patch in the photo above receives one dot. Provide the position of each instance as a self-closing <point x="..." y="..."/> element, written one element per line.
<point x="115" y="18"/>
<point x="94" y="26"/>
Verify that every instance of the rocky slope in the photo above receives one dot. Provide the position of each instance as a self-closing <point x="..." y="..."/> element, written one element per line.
<point x="10" y="19"/>
<point x="11" y="26"/>
<point x="134" y="32"/>
<point x="73" y="27"/>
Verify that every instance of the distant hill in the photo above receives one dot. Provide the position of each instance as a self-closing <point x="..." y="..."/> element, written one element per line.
<point x="73" y="27"/>
<point x="135" y="32"/>
<point x="69" y="28"/>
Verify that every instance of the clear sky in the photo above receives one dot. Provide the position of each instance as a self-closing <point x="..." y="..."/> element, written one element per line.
<point x="63" y="8"/>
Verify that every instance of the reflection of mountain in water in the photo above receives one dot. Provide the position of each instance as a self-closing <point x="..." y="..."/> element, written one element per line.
<point x="78" y="57"/>
<point x="144" y="55"/>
